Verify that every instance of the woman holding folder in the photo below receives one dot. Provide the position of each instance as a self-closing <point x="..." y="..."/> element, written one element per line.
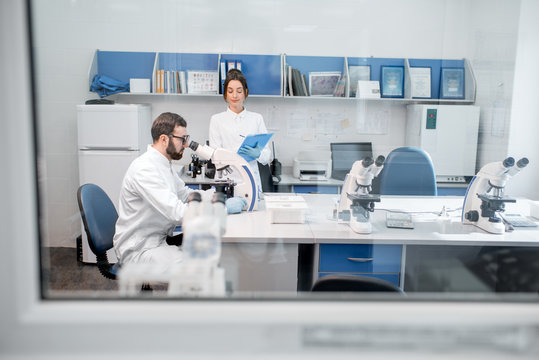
<point x="228" y="129"/>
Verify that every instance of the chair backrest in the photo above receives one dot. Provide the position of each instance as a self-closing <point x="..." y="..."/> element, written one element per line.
<point x="99" y="218"/>
<point x="266" y="179"/>
<point x="353" y="283"/>
<point x="408" y="171"/>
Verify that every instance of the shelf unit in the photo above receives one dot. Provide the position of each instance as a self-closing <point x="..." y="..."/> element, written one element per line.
<point x="267" y="74"/>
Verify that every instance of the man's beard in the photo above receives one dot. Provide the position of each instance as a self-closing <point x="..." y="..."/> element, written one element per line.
<point x="171" y="151"/>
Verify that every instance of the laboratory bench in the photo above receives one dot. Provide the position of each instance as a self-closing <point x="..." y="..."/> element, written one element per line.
<point x="291" y="184"/>
<point x="439" y="254"/>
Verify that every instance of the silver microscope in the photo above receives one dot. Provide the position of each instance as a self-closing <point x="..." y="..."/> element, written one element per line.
<point x="484" y="196"/>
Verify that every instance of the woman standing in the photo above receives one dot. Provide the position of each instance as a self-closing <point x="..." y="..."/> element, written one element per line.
<point x="229" y="128"/>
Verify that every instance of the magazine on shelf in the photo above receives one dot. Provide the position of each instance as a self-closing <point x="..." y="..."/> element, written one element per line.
<point x="323" y="83"/>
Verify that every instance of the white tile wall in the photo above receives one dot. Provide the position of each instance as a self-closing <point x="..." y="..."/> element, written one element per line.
<point x="67" y="32"/>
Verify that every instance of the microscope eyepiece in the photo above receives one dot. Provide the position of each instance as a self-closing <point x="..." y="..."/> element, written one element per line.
<point x="507" y="163"/>
<point x="367" y="161"/>
<point x="523" y="162"/>
<point x="380" y="160"/>
<point x="193" y="145"/>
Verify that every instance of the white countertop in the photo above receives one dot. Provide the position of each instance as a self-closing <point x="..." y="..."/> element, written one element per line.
<point x="430" y="229"/>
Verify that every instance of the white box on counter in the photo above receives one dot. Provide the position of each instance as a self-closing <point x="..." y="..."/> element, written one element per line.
<point x="286" y="209"/>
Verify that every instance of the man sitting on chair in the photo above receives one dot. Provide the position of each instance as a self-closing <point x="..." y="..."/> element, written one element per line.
<point x="153" y="198"/>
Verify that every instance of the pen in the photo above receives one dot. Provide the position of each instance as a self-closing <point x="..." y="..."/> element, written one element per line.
<point x="242" y="135"/>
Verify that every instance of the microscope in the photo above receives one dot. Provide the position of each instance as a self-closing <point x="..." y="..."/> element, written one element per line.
<point x="484" y="196"/>
<point x="232" y="171"/>
<point x="356" y="203"/>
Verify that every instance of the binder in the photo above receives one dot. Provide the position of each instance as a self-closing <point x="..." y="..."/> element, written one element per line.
<point x="183" y="86"/>
<point x="238" y="65"/>
<point x="290" y="81"/>
<point x="231" y="65"/>
<point x="223" y="75"/>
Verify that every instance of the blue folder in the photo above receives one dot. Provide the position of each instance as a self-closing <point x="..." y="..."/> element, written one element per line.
<point x="256" y="140"/>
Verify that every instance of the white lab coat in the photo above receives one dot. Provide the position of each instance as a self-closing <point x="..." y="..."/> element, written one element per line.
<point x="153" y="200"/>
<point x="228" y="130"/>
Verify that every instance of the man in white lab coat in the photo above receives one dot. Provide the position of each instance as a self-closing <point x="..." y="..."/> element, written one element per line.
<point x="153" y="198"/>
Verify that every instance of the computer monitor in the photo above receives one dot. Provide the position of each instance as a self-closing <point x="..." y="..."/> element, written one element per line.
<point x="343" y="156"/>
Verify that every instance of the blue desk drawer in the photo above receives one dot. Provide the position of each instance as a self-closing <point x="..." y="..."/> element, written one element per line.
<point x="392" y="278"/>
<point x="443" y="191"/>
<point x="315" y="189"/>
<point x="360" y="258"/>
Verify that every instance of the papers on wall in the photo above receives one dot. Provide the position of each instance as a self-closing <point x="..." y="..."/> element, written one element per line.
<point x="368" y="89"/>
<point x="296" y="124"/>
<point x="272" y="118"/>
<point x="372" y="118"/>
<point x="316" y="124"/>
<point x="202" y="82"/>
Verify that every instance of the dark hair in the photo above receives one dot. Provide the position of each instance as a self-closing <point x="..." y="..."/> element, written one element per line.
<point x="165" y="124"/>
<point x="235" y="74"/>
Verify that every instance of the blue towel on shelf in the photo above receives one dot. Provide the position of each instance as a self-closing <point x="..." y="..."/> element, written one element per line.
<point x="105" y="86"/>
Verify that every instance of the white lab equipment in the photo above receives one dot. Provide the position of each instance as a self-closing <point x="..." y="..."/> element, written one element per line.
<point x="110" y="137"/>
<point x="286" y="209"/>
<point x="448" y="133"/>
<point x="199" y="274"/>
<point x="356" y="202"/>
<point x="484" y="197"/>
<point x="312" y="165"/>
<point x="231" y="166"/>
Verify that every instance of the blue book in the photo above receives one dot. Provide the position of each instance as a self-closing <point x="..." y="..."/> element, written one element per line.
<point x="255" y="140"/>
<point x="223" y="75"/>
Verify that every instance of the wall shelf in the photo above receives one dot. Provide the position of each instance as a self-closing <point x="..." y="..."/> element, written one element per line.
<point x="267" y="75"/>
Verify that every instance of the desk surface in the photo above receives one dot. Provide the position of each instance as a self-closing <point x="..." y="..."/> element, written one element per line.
<point x="254" y="227"/>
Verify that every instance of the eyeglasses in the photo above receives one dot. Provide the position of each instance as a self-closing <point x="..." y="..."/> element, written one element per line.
<point x="184" y="139"/>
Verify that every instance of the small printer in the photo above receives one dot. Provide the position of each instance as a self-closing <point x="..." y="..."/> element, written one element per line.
<point x="312" y="165"/>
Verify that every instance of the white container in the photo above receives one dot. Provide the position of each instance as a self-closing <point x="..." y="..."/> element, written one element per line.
<point x="139" y="86"/>
<point x="311" y="163"/>
<point x="286" y="209"/>
<point x="449" y="134"/>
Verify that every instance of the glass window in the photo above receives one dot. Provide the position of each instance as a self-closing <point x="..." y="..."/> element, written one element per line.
<point x="436" y="80"/>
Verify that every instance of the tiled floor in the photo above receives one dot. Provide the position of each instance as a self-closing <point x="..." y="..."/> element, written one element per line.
<point x="62" y="271"/>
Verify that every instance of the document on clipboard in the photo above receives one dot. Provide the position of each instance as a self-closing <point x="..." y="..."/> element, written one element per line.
<point x="255" y="140"/>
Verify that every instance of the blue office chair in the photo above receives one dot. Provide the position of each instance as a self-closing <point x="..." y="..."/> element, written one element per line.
<point x="408" y="171"/>
<point x="99" y="218"/>
<point x="354" y="283"/>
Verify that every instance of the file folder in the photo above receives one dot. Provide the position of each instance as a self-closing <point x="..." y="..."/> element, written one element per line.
<point x="255" y="140"/>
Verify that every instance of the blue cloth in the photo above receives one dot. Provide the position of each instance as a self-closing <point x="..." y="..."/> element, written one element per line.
<point x="250" y="153"/>
<point x="104" y="86"/>
<point x="235" y="205"/>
